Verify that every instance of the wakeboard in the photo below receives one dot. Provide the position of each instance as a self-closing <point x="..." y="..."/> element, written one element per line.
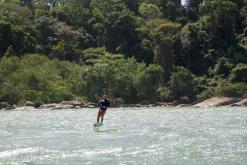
<point x="97" y="124"/>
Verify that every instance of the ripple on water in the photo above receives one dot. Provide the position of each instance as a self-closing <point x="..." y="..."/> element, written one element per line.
<point x="145" y="136"/>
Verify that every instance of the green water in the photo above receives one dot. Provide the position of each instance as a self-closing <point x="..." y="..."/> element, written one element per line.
<point x="130" y="136"/>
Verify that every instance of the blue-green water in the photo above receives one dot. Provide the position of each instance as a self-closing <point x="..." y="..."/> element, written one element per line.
<point x="186" y="136"/>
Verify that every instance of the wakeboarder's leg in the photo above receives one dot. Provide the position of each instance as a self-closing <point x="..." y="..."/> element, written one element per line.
<point x="102" y="116"/>
<point x="99" y="114"/>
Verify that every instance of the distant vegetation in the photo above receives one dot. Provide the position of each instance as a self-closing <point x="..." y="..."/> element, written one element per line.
<point x="132" y="50"/>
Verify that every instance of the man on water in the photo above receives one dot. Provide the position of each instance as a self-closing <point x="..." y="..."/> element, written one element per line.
<point x="104" y="104"/>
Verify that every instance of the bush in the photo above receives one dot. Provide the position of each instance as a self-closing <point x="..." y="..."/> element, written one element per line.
<point x="164" y="94"/>
<point x="9" y="92"/>
<point x="148" y="81"/>
<point x="206" y="94"/>
<point x="182" y="83"/>
<point x="119" y="77"/>
<point x="91" y="54"/>
<point x="117" y="101"/>
<point x="239" y="73"/>
<point x="41" y="80"/>
<point x="34" y="78"/>
<point x="111" y="74"/>
<point x="232" y="90"/>
<point x="223" y="67"/>
<point x="206" y="87"/>
<point x="225" y="90"/>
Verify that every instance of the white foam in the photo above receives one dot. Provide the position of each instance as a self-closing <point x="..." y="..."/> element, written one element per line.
<point x="17" y="152"/>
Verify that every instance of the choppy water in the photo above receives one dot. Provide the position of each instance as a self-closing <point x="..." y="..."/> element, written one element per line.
<point x="148" y="136"/>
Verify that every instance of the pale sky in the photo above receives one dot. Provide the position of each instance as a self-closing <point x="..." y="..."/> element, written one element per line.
<point x="183" y="1"/>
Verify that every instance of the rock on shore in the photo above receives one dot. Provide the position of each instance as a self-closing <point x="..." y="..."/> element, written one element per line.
<point x="241" y="103"/>
<point x="216" y="102"/>
<point x="68" y="105"/>
<point x="213" y="102"/>
<point x="6" y="106"/>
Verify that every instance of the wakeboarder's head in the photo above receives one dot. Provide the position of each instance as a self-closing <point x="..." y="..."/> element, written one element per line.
<point x="104" y="97"/>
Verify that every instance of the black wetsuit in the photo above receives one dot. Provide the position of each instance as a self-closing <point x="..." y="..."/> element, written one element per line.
<point x="104" y="104"/>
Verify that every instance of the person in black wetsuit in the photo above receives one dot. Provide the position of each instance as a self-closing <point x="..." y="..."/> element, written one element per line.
<point x="104" y="104"/>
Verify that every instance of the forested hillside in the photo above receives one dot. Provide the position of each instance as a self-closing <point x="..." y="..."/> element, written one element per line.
<point x="132" y="50"/>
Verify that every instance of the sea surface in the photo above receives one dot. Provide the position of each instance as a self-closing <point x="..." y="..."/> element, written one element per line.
<point x="129" y="136"/>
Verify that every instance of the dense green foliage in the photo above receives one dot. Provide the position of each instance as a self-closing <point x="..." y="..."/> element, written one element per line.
<point x="129" y="49"/>
<point x="35" y="77"/>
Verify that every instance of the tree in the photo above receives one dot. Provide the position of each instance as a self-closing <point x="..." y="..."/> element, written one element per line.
<point x="162" y="33"/>
<point x="149" y="11"/>
<point x="239" y="3"/>
<point x="17" y="15"/>
<point x="29" y="3"/>
<point x="196" y="51"/>
<point x="192" y="8"/>
<point x="5" y="36"/>
<point x="65" y="51"/>
<point x="195" y="4"/>
<point x="45" y="25"/>
<point x="10" y="51"/>
<point x="52" y="31"/>
<point x="132" y="5"/>
<point x="74" y="12"/>
<point x="165" y="56"/>
<point x="119" y="24"/>
<point x="221" y="19"/>
<point x="143" y="51"/>
<point x="171" y="9"/>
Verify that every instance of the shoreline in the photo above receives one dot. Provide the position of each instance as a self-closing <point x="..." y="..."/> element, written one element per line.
<point x="212" y="102"/>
